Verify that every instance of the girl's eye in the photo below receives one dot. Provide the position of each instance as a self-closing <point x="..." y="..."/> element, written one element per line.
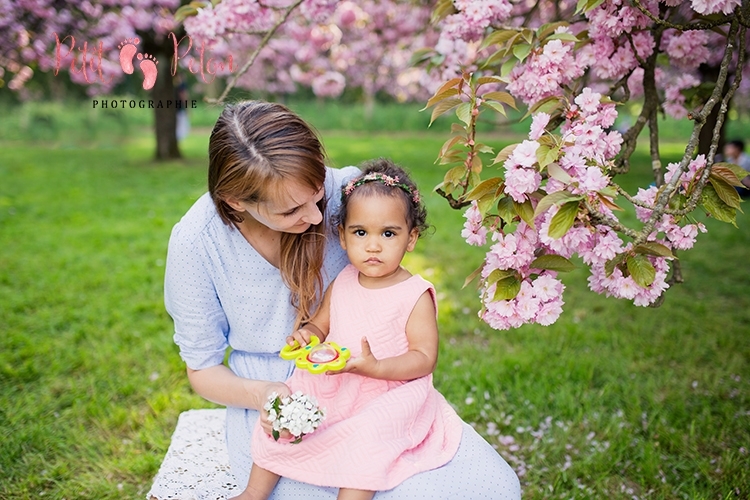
<point x="360" y="232"/>
<point x="291" y="212"/>
<point x="389" y="234"/>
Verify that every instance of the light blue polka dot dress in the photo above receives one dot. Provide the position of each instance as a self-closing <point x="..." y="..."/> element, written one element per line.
<point x="221" y="293"/>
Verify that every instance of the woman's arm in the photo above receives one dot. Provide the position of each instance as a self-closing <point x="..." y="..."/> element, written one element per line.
<point x="220" y="385"/>
<point x="418" y="361"/>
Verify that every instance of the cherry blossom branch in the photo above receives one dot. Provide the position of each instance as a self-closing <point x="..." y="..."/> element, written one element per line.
<point x="695" y="196"/>
<point x="269" y="34"/>
<point x="681" y="27"/>
<point x="665" y="195"/>
<point x="600" y="218"/>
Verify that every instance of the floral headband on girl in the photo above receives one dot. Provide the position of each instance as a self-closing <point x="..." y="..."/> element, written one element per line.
<point x="385" y="179"/>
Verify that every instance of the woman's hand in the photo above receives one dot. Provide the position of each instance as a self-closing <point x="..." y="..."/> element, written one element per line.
<point x="365" y="364"/>
<point x="282" y="390"/>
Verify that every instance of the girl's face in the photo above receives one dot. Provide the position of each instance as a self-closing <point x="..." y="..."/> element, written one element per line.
<point x="376" y="236"/>
<point x="294" y="210"/>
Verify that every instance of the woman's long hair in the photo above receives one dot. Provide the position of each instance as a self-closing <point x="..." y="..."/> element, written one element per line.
<point x="254" y="147"/>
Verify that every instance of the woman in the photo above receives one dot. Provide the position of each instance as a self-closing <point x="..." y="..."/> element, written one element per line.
<point x="247" y="265"/>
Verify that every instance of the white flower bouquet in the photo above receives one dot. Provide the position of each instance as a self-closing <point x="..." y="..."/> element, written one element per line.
<point x="298" y="413"/>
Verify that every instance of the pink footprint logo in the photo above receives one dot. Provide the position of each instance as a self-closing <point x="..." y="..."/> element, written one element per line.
<point x="148" y="67"/>
<point x="127" y="51"/>
<point x="147" y="64"/>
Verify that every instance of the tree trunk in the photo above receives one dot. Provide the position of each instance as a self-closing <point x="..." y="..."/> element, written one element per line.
<point x="164" y="96"/>
<point x="711" y="74"/>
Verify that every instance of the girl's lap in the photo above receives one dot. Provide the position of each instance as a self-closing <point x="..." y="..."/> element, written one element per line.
<point x="476" y="472"/>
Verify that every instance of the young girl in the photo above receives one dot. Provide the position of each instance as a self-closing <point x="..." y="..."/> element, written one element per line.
<point x="384" y="420"/>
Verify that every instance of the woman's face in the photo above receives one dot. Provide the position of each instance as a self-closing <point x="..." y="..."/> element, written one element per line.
<point x="292" y="210"/>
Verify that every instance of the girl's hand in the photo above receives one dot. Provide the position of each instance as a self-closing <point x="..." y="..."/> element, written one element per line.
<point x="302" y="336"/>
<point x="282" y="390"/>
<point x="365" y="364"/>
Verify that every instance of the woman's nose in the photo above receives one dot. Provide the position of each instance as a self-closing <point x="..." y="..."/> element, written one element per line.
<point x="313" y="215"/>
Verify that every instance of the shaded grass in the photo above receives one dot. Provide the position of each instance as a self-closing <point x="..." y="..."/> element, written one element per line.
<point x="610" y="402"/>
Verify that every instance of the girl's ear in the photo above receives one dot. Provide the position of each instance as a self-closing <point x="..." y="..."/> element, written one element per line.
<point x="342" y="241"/>
<point x="413" y="237"/>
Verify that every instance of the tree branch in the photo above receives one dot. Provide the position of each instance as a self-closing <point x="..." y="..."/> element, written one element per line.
<point x="666" y="193"/>
<point x="263" y="43"/>
<point x="681" y="27"/>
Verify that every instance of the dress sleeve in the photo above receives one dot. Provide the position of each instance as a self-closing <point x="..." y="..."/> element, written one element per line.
<point x="190" y="297"/>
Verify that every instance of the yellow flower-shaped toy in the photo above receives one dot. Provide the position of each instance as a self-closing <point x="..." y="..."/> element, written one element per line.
<point x="316" y="357"/>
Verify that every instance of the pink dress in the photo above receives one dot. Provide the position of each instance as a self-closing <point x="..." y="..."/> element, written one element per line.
<point x="376" y="433"/>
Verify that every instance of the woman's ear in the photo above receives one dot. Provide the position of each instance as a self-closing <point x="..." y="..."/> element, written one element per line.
<point x="235" y="204"/>
<point x="413" y="237"/>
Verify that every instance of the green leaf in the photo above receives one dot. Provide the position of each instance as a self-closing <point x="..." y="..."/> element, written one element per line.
<point x="473" y="276"/>
<point x="655" y="249"/>
<point x="486" y="202"/>
<point x="528" y="35"/>
<point x="485" y="187"/>
<point x="443" y="9"/>
<point x="184" y="12"/>
<point x="565" y="37"/>
<point x="491" y="79"/>
<point x="522" y="51"/>
<point x="505" y="209"/>
<point x="715" y="206"/>
<point x="641" y="269"/>
<point x="552" y="262"/>
<point x="507" y="67"/>
<point x="440" y="97"/>
<point x="447" y="145"/>
<point x="738" y="171"/>
<point x="444" y="106"/>
<point x="546" y="155"/>
<point x="499" y="274"/>
<point x="556" y="172"/>
<point x="726" y="192"/>
<point x="546" y="105"/>
<point x="563" y="220"/>
<point x="610" y="265"/>
<point x="497" y="37"/>
<point x="503" y="97"/>
<point x="454" y="175"/>
<point x="417" y="57"/>
<point x="495" y="105"/>
<point x="463" y="112"/>
<point x="504" y="153"/>
<point x="546" y="30"/>
<point x="525" y="210"/>
<point x="507" y="289"/>
<point x="275" y="434"/>
<point x="554" y="199"/>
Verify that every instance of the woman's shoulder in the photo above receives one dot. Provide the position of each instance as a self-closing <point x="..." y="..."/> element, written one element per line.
<point x="196" y="220"/>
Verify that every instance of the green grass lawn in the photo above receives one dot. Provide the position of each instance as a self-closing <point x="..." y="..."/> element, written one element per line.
<point x="613" y="401"/>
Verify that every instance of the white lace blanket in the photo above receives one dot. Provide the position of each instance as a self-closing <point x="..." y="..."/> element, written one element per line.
<point x="196" y="466"/>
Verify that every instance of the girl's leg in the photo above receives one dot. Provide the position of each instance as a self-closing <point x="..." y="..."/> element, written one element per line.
<point x="259" y="486"/>
<point x="347" y="494"/>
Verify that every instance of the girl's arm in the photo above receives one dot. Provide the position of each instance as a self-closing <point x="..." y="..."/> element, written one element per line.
<point x="418" y="361"/>
<point x="319" y="325"/>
